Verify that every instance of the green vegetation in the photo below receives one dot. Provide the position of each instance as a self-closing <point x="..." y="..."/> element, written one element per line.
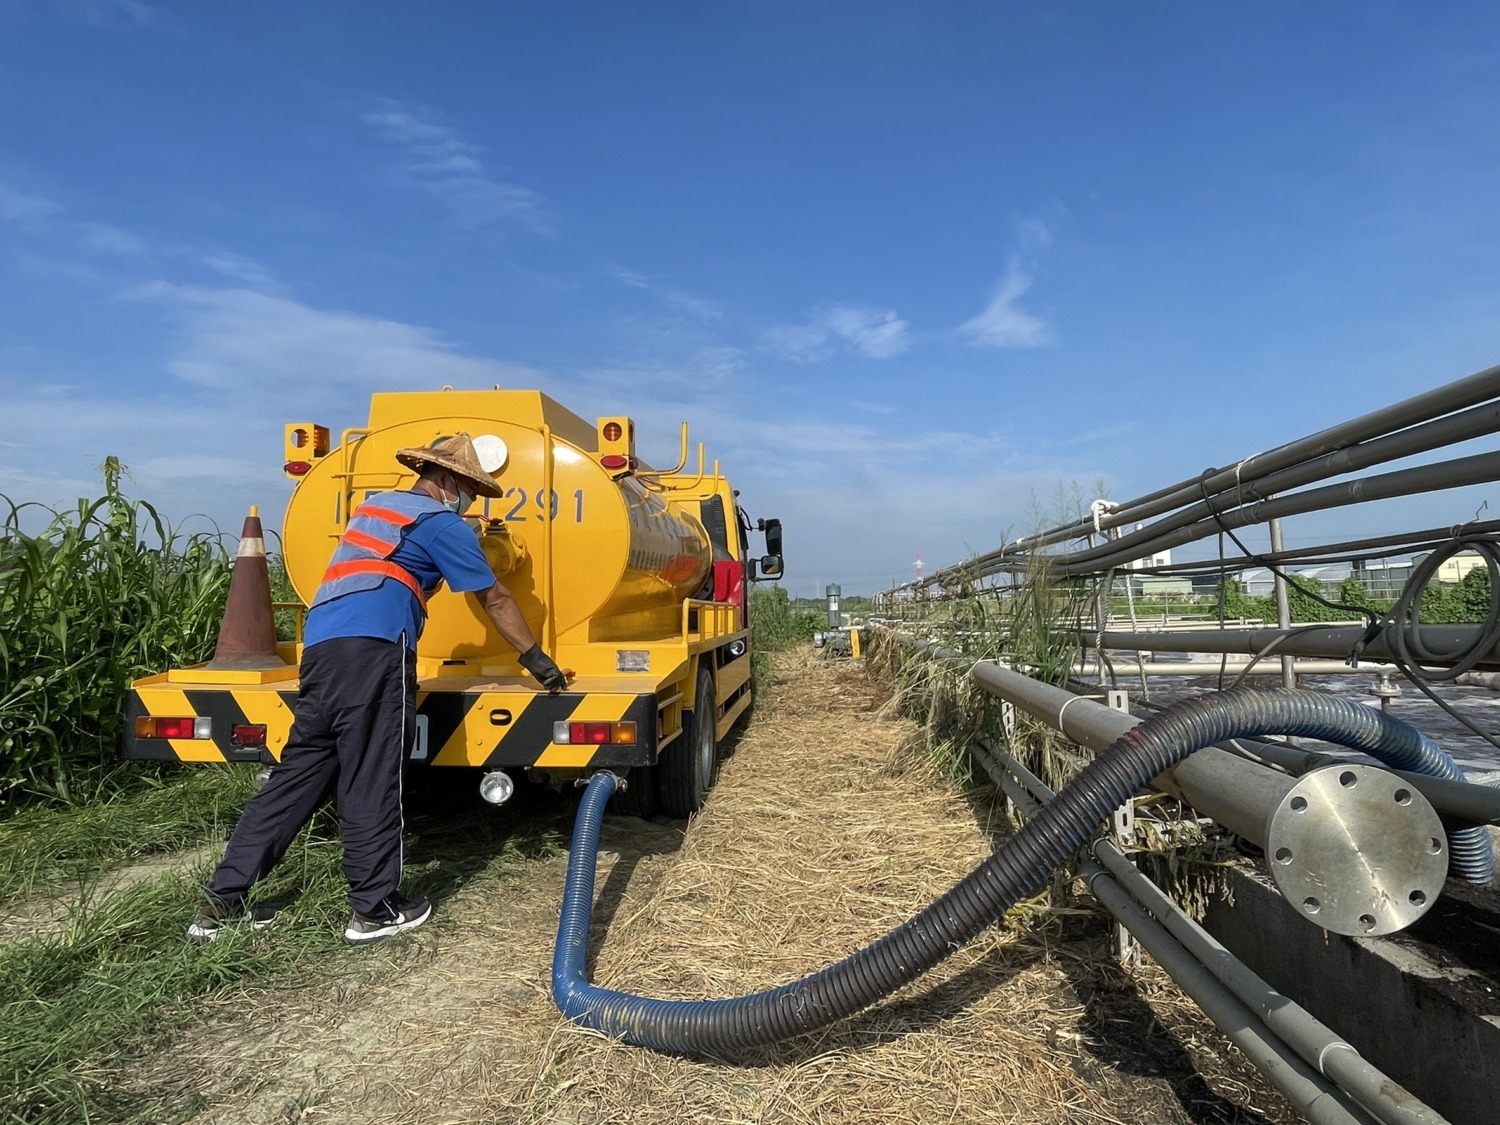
<point x="102" y="594"/>
<point x="43" y="848"/>
<point x="118" y="976"/>
<point x="1468" y="600"/>
<point x="1442" y="603"/>
<point x="776" y="623"/>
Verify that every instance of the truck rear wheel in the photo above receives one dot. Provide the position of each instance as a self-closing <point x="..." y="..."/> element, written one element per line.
<point x="690" y="765"/>
<point x="639" y="797"/>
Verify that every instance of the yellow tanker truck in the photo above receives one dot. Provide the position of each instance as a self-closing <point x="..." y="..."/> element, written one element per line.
<point x="637" y="579"/>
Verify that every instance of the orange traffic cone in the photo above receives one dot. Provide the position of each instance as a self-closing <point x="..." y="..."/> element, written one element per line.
<point x="247" y="636"/>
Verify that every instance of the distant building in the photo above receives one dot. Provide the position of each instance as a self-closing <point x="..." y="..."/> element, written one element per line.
<point x="1452" y="570"/>
<point x="1156" y="585"/>
<point x="1160" y="558"/>
<point x="1383" y="578"/>
<point x="1259" y="582"/>
<point x="1160" y="585"/>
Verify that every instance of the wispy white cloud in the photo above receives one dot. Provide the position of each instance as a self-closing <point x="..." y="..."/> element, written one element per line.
<point x="40" y="216"/>
<point x="870" y="332"/>
<point x="247" y="362"/>
<point x="628" y="277"/>
<point x="109" y="240"/>
<point x="700" y="308"/>
<point x="19" y="207"/>
<point x="245" y="271"/>
<point x="700" y="376"/>
<point x="107" y="14"/>
<point x="448" y="166"/>
<point x="248" y="340"/>
<point x="1033" y="235"/>
<point x="1089" y="437"/>
<point x="1004" y="325"/>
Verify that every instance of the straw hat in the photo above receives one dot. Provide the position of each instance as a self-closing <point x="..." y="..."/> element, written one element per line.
<point x="456" y="454"/>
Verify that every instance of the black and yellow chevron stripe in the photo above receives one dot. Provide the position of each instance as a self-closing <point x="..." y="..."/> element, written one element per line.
<point x="454" y="728"/>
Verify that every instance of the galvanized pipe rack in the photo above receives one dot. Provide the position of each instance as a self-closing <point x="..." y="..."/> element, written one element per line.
<point x="1240" y="494"/>
<point x="1300" y="640"/>
<point x="1323" y="1075"/>
<point x="1317" y="1070"/>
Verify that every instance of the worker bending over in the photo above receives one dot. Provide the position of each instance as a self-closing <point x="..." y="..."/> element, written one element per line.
<point x="356" y="699"/>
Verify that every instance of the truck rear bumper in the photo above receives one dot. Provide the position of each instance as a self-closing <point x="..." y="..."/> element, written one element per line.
<point x="498" y="727"/>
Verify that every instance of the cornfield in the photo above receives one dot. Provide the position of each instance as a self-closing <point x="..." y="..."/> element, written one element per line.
<point x="105" y="592"/>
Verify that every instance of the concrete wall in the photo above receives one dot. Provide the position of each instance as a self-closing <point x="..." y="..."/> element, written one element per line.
<point x="1431" y="1027"/>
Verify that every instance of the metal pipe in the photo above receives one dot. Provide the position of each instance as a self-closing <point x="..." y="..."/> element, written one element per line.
<point x="1456" y="473"/>
<point x="1211" y="780"/>
<point x="1304" y="640"/>
<point x="1090" y="724"/>
<point x="1462" y="393"/>
<point x="1283" y="605"/>
<point x="1315" y="1097"/>
<point x="1227" y="787"/>
<point x="1361" y="549"/>
<point x="1232" y="668"/>
<point x="1459" y="802"/>
<point x="1476" y="422"/>
<point x="1282" y="1017"/>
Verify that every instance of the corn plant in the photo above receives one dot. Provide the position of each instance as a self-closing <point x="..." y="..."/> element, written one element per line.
<point x="105" y="592"/>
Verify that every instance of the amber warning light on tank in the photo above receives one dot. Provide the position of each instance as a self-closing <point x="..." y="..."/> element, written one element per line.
<point x="306" y="444"/>
<point x="617" y="444"/>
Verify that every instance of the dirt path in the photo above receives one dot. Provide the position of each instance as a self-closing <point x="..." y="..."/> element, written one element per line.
<point x="48" y="915"/>
<point x="821" y="835"/>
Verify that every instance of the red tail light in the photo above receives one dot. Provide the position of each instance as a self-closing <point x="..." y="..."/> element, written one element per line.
<point x="594" y="734"/>
<point x="247" y="734"/>
<point x="154" y="726"/>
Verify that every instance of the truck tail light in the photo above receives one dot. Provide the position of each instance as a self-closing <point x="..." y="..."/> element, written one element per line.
<point x="155" y="726"/>
<point x="247" y="734"/>
<point x="593" y="734"/>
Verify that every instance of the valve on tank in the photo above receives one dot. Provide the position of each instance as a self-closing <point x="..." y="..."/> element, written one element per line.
<point x="503" y="549"/>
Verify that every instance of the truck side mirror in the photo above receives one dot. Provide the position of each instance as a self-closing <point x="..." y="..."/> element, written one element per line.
<point x="770" y="566"/>
<point x="773" y="539"/>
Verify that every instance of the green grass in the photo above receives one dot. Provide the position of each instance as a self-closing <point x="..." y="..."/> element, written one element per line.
<point x="775" y="624"/>
<point x="120" y="977"/>
<point x="43" y="849"/>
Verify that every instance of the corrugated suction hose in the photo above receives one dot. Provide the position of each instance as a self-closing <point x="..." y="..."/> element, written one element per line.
<point x="1016" y="870"/>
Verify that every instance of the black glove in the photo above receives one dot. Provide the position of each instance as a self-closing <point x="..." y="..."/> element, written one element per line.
<point x="544" y="668"/>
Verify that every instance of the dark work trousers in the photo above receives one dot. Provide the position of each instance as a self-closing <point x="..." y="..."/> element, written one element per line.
<point x="356" y="710"/>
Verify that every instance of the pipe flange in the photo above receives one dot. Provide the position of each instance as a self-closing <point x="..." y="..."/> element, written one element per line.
<point x="1357" y="850"/>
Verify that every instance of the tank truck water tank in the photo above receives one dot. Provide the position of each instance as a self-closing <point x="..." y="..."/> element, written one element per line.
<point x="599" y="550"/>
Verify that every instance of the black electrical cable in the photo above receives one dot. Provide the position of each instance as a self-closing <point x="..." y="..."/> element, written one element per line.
<point x="1408" y="608"/>
<point x="1373" y="624"/>
<point x="1406" y="645"/>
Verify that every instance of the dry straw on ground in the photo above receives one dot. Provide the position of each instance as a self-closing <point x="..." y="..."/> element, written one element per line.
<point x="822" y="834"/>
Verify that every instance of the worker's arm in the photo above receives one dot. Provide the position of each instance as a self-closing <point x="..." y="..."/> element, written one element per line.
<point x="501" y="608"/>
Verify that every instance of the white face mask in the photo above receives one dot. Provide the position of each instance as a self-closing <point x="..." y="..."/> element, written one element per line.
<point x="460" y="502"/>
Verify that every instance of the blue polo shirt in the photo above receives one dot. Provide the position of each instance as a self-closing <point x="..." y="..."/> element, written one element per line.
<point x="437" y="548"/>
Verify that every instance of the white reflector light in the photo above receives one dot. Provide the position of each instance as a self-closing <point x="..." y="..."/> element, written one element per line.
<point x="496" y="787"/>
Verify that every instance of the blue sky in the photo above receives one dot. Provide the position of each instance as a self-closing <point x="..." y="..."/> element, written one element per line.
<point x="905" y="268"/>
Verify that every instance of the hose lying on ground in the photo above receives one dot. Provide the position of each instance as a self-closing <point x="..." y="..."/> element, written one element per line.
<point x="1016" y="870"/>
